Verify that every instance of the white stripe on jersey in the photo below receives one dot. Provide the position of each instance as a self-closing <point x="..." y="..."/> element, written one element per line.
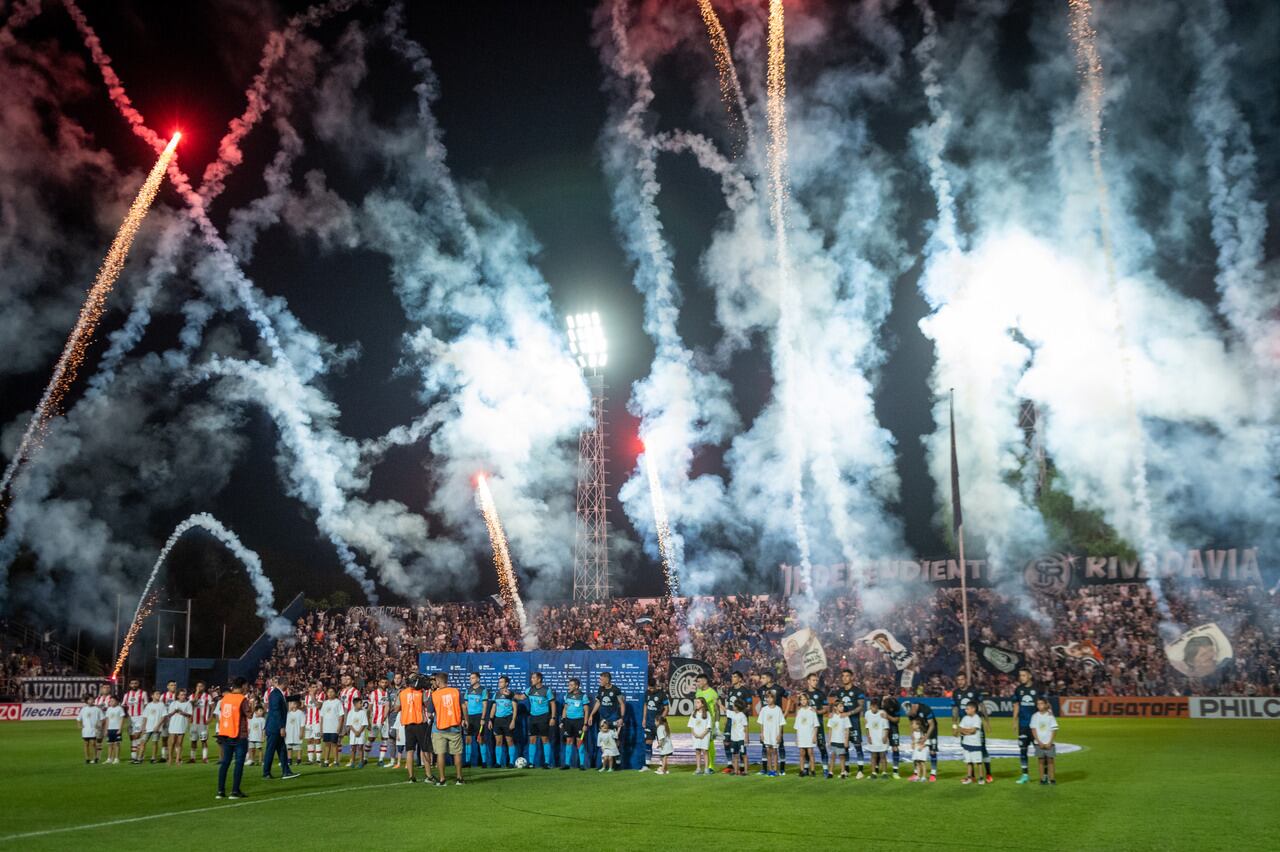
<point x="377" y="706"/>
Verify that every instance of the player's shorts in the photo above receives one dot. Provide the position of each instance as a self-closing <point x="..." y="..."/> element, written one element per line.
<point x="448" y="741"/>
<point x="973" y="757"/>
<point x="1042" y="751"/>
<point x="417" y="738"/>
<point x="651" y="730"/>
<point x="503" y="725"/>
<point x="933" y="744"/>
<point x="199" y="732"/>
<point x="475" y="724"/>
<point x="113" y="736"/>
<point x="855" y="733"/>
<point x="330" y="738"/>
<point x="736" y="747"/>
<point x="311" y="732"/>
<point x="572" y="728"/>
<point x="895" y="739"/>
<point x="137" y="725"/>
<point x="1025" y="738"/>
<point x="540" y="726"/>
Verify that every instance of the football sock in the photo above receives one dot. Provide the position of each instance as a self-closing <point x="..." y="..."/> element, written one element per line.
<point x="582" y="755"/>
<point x="568" y="754"/>
<point x="987" y="766"/>
<point x="546" y="754"/>
<point x="933" y="763"/>
<point x="511" y="755"/>
<point x="466" y="753"/>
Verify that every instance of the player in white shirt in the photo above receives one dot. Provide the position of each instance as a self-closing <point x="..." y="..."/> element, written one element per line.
<point x="877" y="723"/>
<point x="969" y="730"/>
<point x="293" y="724"/>
<point x="90" y="720"/>
<point x="114" y="720"/>
<point x="700" y="727"/>
<point x="738" y="738"/>
<point x="134" y="700"/>
<point x="202" y="705"/>
<point x="153" y="713"/>
<point x="257" y="735"/>
<point x="1044" y="728"/>
<point x="806" y="724"/>
<point x="330" y="728"/>
<point x="772" y="720"/>
<point x="180" y="713"/>
<point x="357" y="727"/>
<point x="838" y="728"/>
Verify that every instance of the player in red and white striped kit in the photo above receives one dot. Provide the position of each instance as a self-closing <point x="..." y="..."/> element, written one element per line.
<point x="311" y="721"/>
<point x="201" y="712"/>
<point x="134" y="700"/>
<point x="167" y="697"/>
<point x="347" y="695"/>
<point x="377" y="707"/>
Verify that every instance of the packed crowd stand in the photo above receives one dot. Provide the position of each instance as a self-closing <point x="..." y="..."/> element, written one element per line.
<point x="744" y="633"/>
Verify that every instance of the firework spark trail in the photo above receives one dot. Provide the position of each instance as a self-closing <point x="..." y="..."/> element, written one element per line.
<point x="945" y="232"/>
<point x="735" y="102"/>
<point x="264" y="592"/>
<point x="670" y="549"/>
<point x="229" y="271"/>
<point x="502" y="560"/>
<point x="73" y="354"/>
<point x="794" y="449"/>
<point x="1092" y="94"/>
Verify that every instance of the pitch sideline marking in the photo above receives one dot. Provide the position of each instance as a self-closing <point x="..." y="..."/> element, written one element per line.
<point x="244" y="803"/>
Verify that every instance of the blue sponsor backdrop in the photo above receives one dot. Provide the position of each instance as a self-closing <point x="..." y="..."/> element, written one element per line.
<point x="995" y="706"/>
<point x="629" y="669"/>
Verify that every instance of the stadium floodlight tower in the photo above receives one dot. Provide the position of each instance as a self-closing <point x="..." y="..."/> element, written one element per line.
<point x="591" y="540"/>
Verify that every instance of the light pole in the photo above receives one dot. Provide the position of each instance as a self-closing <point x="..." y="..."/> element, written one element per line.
<point x="591" y="540"/>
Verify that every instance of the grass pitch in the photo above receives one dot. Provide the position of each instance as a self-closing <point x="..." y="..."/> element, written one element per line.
<point x="1156" y="784"/>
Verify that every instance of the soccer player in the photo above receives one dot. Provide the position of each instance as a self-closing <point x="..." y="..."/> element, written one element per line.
<point x="134" y="700"/>
<point x="921" y="712"/>
<point x="476" y="699"/>
<point x="293" y="725"/>
<point x="853" y="701"/>
<point x="331" y="715"/>
<point x="772" y="721"/>
<point x="542" y="709"/>
<point x="446" y="712"/>
<point x="1025" y="696"/>
<point x="153" y="713"/>
<point x="961" y="697"/>
<point x="113" y="720"/>
<point x="739" y="692"/>
<point x="969" y="728"/>
<point x="768" y="687"/>
<point x="610" y="706"/>
<point x="892" y="710"/>
<point x="90" y="721"/>
<point x="818" y="701"/>
<point x="377" y="709"/>
<point x="572" y="723"/>
<point x="311" y="704"/>
<point x="652" y="715"/>
<point x="356" y="724"/>
<point x="347" y="695"/>
<point x="709" y="695"/>
<point x="179" y="716"/>
<point x="806" y="724"/>
<point x="202" y="705"/>
<point x="503" y="723"/>
<point x="1045" y="726"/>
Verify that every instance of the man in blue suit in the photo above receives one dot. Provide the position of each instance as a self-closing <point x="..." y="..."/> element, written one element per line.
<point x="276" y="710"/>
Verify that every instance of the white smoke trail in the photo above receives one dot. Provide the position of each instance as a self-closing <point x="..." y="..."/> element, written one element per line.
<point x="264" y="592"/>
<point x="735" y="102"/>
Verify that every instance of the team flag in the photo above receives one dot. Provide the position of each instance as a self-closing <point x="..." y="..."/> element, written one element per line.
<point x="1200" y="651"/>
<point x="803" y="652"/>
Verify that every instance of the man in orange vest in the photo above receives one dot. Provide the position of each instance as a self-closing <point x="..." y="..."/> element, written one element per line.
<point x="446" y="735"/>
<point x="233" y="737"/>
<point x="413" y="718"/>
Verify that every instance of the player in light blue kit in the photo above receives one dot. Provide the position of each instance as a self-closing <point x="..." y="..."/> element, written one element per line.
<point x="476" y="698"/>
<point x="572" y="721"/>
<point x="542" y="709"/>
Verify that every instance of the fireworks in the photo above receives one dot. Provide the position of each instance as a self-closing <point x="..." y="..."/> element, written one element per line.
<point x="145" y="605"/>
<point x="501" y="555"/>
<point x="1092" y="94"/>
<point x="735" y="104"/>
<point x="668" y="549"/>
<point x="64" y="373"/>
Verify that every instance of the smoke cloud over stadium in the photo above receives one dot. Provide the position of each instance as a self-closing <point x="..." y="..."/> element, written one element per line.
<point x="784" y="179"/>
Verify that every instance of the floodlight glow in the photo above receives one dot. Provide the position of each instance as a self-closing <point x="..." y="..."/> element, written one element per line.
<point x="587" y="341"/>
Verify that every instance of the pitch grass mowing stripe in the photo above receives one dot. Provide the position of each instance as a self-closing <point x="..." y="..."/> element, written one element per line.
<point x="243" y="803"/>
